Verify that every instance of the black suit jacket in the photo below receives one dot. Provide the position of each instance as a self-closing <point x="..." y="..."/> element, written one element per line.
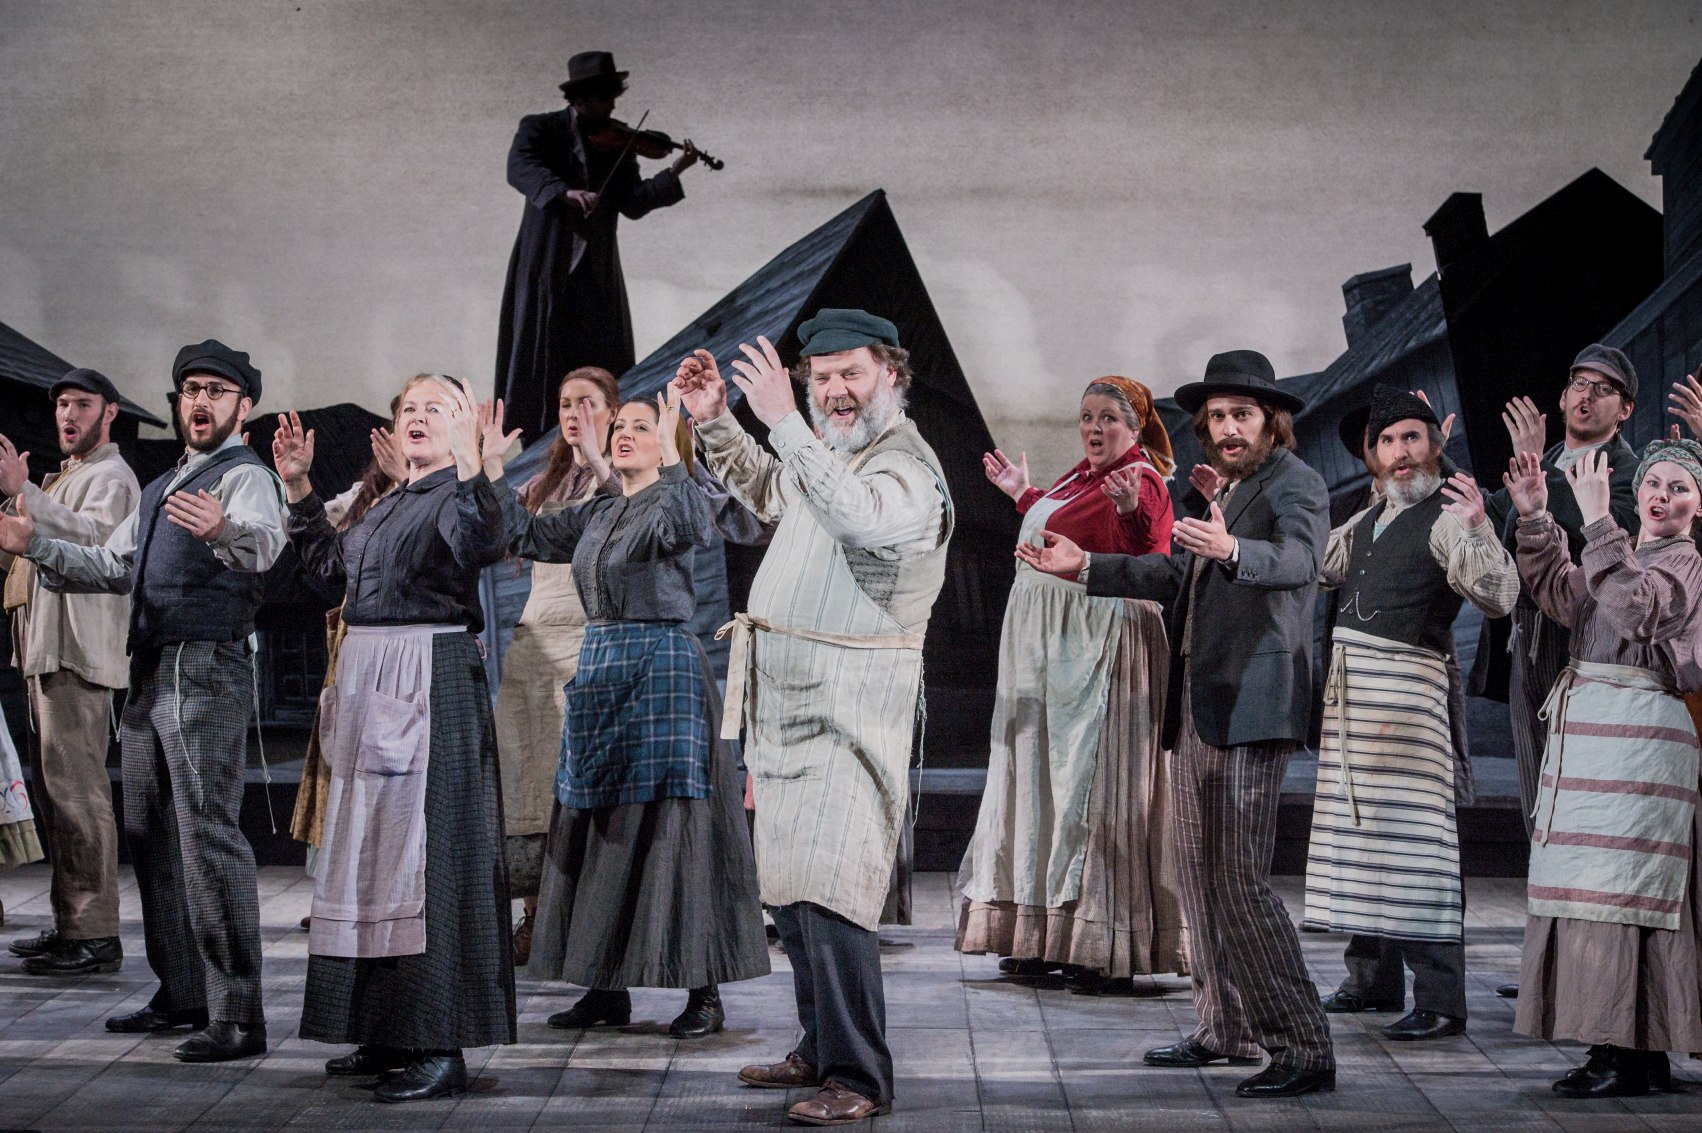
<point x="1252" y="646"/>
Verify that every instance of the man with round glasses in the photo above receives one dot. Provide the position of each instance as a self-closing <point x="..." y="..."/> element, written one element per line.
<point x="1597" y="399"/>
<point x="191" y="555"/>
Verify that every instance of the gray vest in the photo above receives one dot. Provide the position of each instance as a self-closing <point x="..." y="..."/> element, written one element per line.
<point x="1394" y="588"/>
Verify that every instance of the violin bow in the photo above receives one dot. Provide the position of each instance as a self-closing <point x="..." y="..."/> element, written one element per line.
<point x="615" y="168"/>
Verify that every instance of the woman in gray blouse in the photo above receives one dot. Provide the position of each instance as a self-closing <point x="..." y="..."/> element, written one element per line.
<point x="648" y="877"/>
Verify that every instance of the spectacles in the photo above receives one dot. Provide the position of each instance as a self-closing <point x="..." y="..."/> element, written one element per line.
<point x="1597" y="389"/>
<point x="189" y="391"/>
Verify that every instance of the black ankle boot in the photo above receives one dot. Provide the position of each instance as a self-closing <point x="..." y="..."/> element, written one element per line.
<point x="596" y="1009"/>
<point x="1611" y="1072"/>
<point x="435" y="1074"/>
<point x="702" y="1016"/>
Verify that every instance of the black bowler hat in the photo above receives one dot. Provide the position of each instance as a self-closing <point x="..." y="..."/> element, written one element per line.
<point x="89" y="381"/>
<point x="214" y="357"/>
<point x="1238" y="373"/>
<point x="1351" y="428"/>
<point x="591" y="68"/>
<point x="844" y="328"/>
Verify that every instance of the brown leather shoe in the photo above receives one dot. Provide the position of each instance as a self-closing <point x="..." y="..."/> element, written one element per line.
<point x="836" y="1105"/>
<point x="786" y="1075"/>
<point x="523" y="941"/>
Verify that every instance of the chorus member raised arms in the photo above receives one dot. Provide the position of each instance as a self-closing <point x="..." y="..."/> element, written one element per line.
<point x="1070" y="863"/>
<point x="70" y="650"/>
<point x="648" y="879"/>
<point x="1239" y="598"/>
<point x="543" y="654"/>
<point x="1610" y="954"/>
<point x="830" y="653"/>
<point x="1384" y="858"/>
<point x="409" y="952"/>
<point x="190" y="556"/>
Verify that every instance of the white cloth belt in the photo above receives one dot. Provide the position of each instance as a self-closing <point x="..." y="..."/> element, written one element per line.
<point x="742" y="657"/>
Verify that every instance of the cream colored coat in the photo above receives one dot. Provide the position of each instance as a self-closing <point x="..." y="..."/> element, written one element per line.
<point x="858" y="557"/>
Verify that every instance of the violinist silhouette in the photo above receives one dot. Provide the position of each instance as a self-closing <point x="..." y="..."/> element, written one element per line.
<point x="564" y="304"/>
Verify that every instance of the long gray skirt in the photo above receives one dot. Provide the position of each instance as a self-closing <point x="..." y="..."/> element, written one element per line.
<point x="656" y="894"/>
<point x="460" y="991"/>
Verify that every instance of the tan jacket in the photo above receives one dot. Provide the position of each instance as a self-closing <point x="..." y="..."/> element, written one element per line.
<point x="83" y="633"/>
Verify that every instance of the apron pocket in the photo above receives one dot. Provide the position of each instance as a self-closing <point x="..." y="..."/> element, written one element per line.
<point x="394" y="736"/>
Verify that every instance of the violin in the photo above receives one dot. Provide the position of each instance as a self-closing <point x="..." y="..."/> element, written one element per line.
<point x="616" y="136"/>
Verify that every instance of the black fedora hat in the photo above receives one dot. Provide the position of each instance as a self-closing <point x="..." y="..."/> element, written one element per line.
<point x="1351" y="428"/>
<point x="1238" y="373"/>
<point x="591" y="68"/>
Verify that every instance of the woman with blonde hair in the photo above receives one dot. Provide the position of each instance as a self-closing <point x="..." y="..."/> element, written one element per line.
<point x="1069" y="864"/>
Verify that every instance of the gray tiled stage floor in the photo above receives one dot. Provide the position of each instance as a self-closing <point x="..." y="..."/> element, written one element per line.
<point x="974" y="1052"/>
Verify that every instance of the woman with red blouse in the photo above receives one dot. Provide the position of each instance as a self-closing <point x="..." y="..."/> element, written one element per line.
<point x="1069" y="867"/>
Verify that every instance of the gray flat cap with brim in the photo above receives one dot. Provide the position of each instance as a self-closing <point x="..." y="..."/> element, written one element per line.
<point x="844" y="328"/>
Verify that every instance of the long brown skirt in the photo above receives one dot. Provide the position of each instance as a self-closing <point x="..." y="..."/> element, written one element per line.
<point x="1128" y="919"/>
<point x="1598" y="982"/>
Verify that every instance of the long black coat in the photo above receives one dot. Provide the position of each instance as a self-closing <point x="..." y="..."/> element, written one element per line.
<point x="564" y="304"/>
<point x="1252" y="646"/>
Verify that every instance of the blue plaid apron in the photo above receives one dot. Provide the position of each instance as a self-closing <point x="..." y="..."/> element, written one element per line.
<point x="637" y="718"/>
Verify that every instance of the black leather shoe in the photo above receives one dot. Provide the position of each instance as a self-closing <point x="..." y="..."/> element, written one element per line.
<point x="1029" y="968"/>
<point x="703" y="1014"/>
<point x="1417" y="1026"/>
<point x="596" y="1009"/>
<point x="1189" y="1053"/>
<point x="1508" y="991"/>
<point x="1659" y="1069"/>
<point x="222" y="1042"/>
<point x="1611" y="1072"/>
<point x="1285" y="1082"/>
<point x="75" y="957"/>
<point x="41" y="942"/>
<point x="1341" y="1002"/>
<point x="149" y="1019"/>
<point x="438" y="1075"/>
<point x="371" y="1059"/>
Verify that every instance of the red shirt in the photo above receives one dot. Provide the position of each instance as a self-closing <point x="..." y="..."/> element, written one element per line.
<point x="1090" y="519"/>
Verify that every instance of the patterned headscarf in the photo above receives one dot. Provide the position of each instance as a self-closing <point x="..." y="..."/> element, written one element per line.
<point x="1684" y="452"/>
<point x="1155" y="441"/>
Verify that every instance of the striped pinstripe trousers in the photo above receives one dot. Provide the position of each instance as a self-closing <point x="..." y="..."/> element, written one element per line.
<point x="1541" y="647"/>
<point x="1251" y="990"/>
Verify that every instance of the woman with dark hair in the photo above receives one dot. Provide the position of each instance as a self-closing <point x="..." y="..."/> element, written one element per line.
<point x="544" y="652"/>
<point x="408" y="951"/>
<point x="649" y="879"/>
<point x="1068" y="866"/>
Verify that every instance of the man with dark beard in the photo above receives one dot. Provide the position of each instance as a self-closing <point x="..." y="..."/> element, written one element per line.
<point x="1239" y="593"/>
<point x="1384" y="858"/>
<point x="190" y="556"/>
<point x="70" y="649"/>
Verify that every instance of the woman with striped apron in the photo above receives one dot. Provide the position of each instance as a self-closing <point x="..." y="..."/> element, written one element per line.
<point x="1069" y="865"/>
<point x="1611" y="956"/>
<point x="408" y="949"/>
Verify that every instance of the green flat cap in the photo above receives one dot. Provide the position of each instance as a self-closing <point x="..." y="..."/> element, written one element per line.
<point x="843" y="328"/>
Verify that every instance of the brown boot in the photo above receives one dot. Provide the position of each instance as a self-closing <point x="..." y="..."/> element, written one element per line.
<point x="523" y="941"/>
<point x="785" y="1075"/>
<point x="836" y="1105"/>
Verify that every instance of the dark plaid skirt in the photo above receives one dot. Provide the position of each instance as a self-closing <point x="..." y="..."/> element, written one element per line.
<point x="655" y="894"/>
<point x="637" y="729"/>
<point x="460" y="991"/>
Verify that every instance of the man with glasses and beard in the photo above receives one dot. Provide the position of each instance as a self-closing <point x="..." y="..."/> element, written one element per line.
<point x="1239" y="596"/>
<point x="70" y="649"/>
<point x="191" y="557"/>
<point x="1384" y="858"/>
<point x="1599" y="395"/>
<point x="832" y="652"/>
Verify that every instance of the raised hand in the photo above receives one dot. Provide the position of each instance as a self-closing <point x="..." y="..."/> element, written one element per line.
<point x="1055" y="555"/>
<point x="1207" y="481"/>
<point x="14" y="468"/>
<point x="1465" y="501"/>
<point x="1208" y="538"/>
<point x="1124" y="487"/>
<point x="765" y="383"/>
<point x="702" y="391"/>
<point x="494" y="441"/>
<point x="1685" y="398"/>
<point x="389" y="456"/>
<point x="292" y="455"/>
<point x="668" y="424"/>
<point x="16" y="531"/>
<point x="465" y="429"/>
<point x="1527" y="428"/>
<point x="1011" y="479"/>
<point x="1527" y="484"/>
<point x="1447" y="422"/>
<point x="1589" y="480"/>
<point x="200" y="514"/>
